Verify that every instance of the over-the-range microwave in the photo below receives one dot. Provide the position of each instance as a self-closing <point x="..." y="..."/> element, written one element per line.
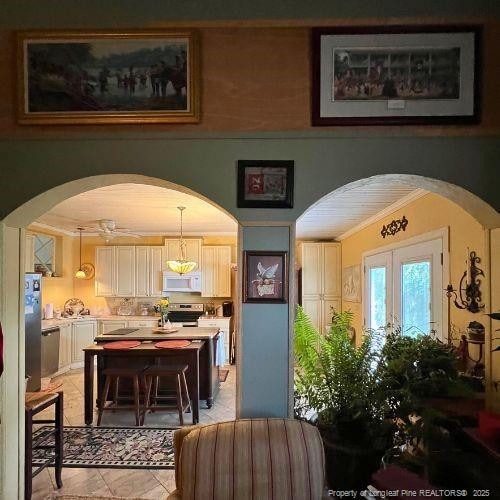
<point x="173" y="282"/>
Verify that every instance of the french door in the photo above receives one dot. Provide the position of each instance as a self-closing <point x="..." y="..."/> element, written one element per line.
<point x="404" y="286"/>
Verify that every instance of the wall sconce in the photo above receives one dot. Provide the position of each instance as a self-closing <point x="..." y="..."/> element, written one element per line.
<point x="468" y="295"/>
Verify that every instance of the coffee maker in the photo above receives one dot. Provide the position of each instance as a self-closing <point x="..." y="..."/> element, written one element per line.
<point x="227" y="309"/>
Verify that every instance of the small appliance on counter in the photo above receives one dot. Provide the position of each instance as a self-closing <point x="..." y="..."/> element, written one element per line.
<point x="227" y="308"/>
<point x="48" y="311"/>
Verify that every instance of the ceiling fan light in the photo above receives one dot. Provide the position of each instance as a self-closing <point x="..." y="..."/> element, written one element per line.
<point x="181" y="266"/>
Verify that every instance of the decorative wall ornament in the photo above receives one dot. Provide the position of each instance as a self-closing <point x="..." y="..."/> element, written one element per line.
<point x="468" y="296"/>
<point x="394" y="227"/>
<point x="351" y="283"/>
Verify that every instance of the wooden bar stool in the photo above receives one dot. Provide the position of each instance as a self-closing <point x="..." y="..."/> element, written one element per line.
<point x="114" y="375"/>
<point x="177" y="374"/>
<point x="35" y="402"/>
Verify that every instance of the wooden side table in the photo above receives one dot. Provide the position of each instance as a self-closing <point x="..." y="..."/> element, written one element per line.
<point x="36" y="402"/>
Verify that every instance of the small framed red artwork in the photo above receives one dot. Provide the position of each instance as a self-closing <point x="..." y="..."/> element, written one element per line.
<point x="265" y="183"/>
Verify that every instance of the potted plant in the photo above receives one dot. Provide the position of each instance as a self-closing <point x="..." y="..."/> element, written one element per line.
<point x="338" y="388"/>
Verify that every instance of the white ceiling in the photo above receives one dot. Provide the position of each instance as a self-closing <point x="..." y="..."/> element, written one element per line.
<point x="150" y="210"/>
<point x="342" y="211"/>
<point x="142" y="209"/>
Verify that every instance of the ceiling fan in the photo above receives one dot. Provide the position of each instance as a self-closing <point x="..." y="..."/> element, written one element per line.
<point x="108" y="230"/>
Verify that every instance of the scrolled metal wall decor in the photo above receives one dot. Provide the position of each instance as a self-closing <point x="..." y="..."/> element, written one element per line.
<point x="394" y="227"/>
<point x="469" y="295"/>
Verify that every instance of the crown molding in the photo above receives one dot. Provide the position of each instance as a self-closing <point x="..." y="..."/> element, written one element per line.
<point x="397" y="205"/>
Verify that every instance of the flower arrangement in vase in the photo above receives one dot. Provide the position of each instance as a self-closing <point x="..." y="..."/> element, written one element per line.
<point x="162" y="307"/>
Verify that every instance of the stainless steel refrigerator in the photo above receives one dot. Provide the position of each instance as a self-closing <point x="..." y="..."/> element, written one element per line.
<point x="33" y="328"/>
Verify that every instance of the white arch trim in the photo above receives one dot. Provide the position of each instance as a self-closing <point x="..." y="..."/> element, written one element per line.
<point x="30" y="211"/>
<point x="484" y="213"/>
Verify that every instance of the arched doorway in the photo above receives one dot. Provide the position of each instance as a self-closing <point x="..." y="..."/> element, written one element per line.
<point x="457" y="221"/>
<point x="13" y="241"/>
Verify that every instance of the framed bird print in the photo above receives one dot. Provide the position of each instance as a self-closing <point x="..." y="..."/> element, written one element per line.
<point x="265" y="277"/>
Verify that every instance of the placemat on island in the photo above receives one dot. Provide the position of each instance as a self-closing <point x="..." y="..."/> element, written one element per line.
<point x="172" y="344"/>
<point x="122" y="344"/>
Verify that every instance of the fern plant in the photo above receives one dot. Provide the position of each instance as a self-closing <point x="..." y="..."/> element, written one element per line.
<point x="337" y="382"/>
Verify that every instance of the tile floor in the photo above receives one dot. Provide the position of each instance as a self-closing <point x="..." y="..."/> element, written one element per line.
<point x="143" y="483"/>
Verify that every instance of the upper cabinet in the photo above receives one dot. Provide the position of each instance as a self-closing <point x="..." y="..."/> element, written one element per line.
<point x="115" y="271"/>
<point x="105" y="272"/>
<point x="216" y="276"/>
<point x="149" y="264"/>
<point x="193" y="250"/>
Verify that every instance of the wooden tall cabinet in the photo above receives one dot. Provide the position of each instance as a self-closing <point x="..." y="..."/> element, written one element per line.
<point x="321" y="281"/>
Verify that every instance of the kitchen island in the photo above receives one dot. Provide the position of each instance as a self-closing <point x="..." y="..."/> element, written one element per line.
<point x="200" y="356"/>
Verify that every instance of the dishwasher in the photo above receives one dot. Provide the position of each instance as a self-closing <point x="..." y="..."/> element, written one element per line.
<point x="50" y="351"/>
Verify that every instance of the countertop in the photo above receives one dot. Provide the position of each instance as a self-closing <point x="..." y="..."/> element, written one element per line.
<point x="49" y="323"/>
<point x="187" y="332"/>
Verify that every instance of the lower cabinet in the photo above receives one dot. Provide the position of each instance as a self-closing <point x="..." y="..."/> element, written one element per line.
<point x="64" y="346"/>
<point x="147" y="323"/>
<point x="224" y="326"/>
<point x="82" y="335"/>
<point x="108" y="325"/>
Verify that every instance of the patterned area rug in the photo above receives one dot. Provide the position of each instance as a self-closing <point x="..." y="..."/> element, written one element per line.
<point x="111" y="447"/>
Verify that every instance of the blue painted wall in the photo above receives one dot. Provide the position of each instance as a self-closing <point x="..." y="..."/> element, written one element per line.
<point x="265" y="342"/>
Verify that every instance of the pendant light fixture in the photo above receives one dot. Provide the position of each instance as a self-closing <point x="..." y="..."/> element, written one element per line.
<point x="181" y="265"/>
<point x="80" y="274"/>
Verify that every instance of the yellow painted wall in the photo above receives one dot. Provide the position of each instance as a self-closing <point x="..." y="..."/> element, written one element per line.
<point x="425" y="214"/>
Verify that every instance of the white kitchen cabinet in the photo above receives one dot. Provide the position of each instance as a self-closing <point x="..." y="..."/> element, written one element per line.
<point x="321" y="281"/>
<point x="105" y="271"/>
<point x="224" y="326"/>
<point x="64" y="346"/>
<point x="216" y="275"/>
<point x="149" y="265"/>
<point x="146" y="323"/>
<point x="29" y="260"/>
<point x="106" y="325"/>
<point x="125" y="271"/>
<point x="115" y="271"/>
<point x="142" y="256"/>
<point x="193" y="250"/>
<point x="83" y="333"/>
<point x="157" y="263"/>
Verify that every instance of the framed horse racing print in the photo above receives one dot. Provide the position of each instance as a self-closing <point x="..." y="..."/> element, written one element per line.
<point x="78" y="77"/>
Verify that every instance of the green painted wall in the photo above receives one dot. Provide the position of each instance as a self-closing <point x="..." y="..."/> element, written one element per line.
<point x="117" y="13"/>
<point x="208" y="165"/>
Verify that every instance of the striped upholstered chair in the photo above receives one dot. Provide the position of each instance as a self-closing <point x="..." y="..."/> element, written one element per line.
<point x="264" y="459"/>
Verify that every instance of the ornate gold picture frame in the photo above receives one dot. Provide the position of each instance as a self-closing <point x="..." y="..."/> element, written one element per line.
<point x="77" y="77"/>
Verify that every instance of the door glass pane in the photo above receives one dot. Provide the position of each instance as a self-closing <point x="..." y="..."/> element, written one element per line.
<point x="416" y="297"/>
<point x="378" y="307"/>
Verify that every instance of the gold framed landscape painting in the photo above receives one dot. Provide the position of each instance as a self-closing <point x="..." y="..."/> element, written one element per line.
<point x="77" y="77"/>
